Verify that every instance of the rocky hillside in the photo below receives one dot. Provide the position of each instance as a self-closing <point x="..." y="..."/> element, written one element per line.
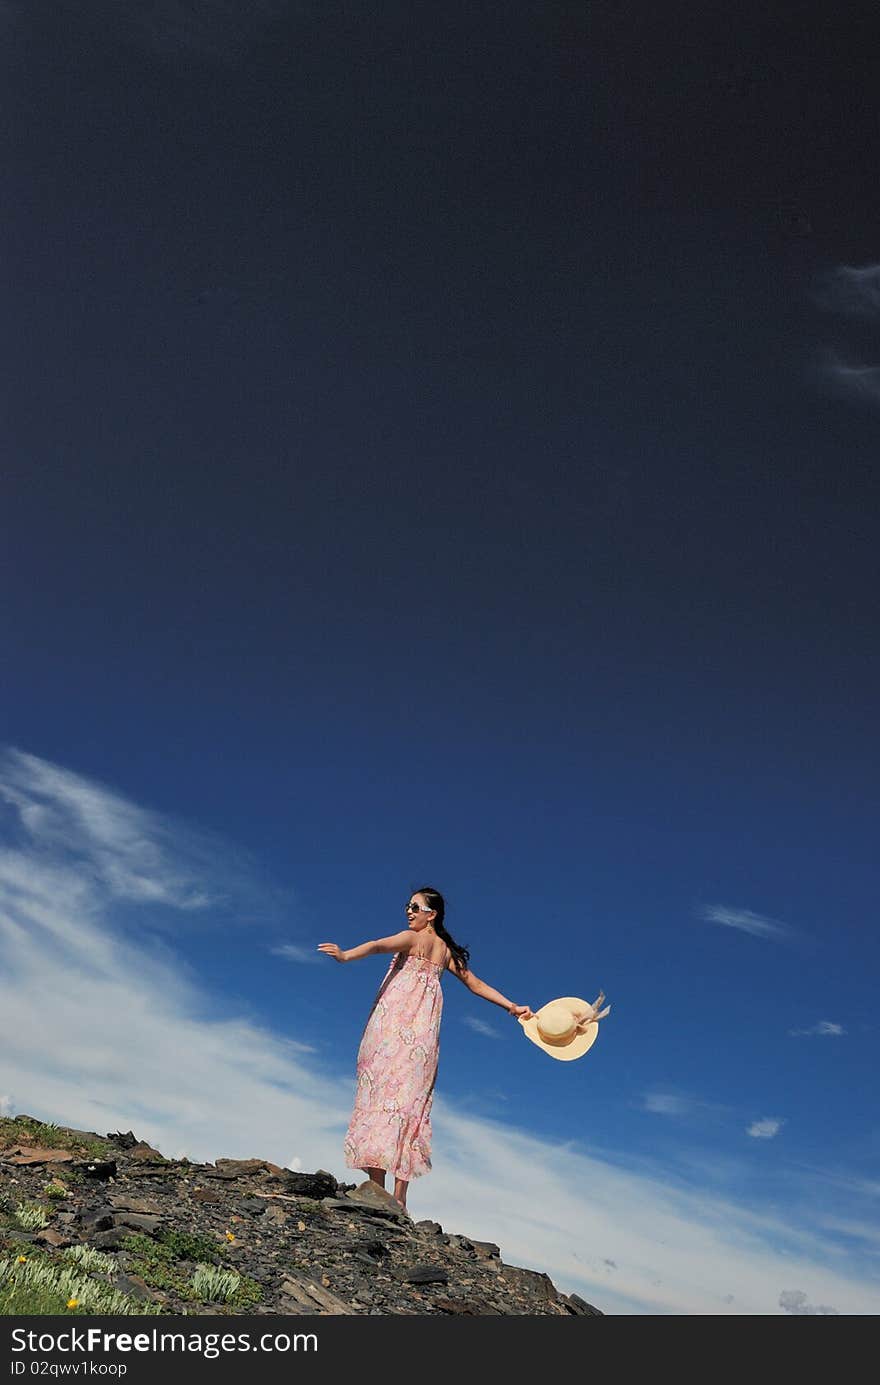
<point x="103" y="1223"/>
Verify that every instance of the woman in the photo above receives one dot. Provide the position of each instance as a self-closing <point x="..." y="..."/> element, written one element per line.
<point x="390" y="1128"/>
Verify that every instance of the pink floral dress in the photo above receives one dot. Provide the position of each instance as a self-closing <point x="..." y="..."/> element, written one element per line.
<point x="390" y="1127"/>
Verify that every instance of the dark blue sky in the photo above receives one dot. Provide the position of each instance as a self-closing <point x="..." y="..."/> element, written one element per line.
<point x="443" y="447"/>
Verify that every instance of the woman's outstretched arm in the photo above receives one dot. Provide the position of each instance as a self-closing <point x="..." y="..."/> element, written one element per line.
<point x="397" y="942"/>
<point x="480" y="988"/>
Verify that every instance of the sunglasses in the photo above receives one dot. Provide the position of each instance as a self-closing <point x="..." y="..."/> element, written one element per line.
<point x="418" y="909"/>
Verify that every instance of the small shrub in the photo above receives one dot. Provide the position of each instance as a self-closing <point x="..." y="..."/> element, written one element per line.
<point x="308" y="1204"/>
<point x="185" y="1245"/>
<point x="31" y="1216"/>
<point x="215" y="1285"/>
<point x="155" y="1264"/>
<point x="90" y="1259"/>
<point x="55" y="1190"/>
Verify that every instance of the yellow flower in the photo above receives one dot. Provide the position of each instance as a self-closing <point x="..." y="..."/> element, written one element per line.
<point x="21" y="1259"/>
<point x="73" y="1303"/>
<point x="229" y="1236"/>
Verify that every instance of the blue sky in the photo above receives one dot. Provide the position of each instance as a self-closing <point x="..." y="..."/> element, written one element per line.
<point x="442" y="454"/>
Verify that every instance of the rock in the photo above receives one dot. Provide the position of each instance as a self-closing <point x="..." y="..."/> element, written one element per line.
<point x="110" y="1240"/>
<point x="256" y="1206"/>
<point x="145" y="1153"/>
<point x="100" y="1219"/>
<point x="240" y="1166"/>
<point x="134" y="1286"/>
<point x="575" y="1304"/>
<point x="97" y="1168"/>
<point x="136" y="1221"/>
<point x="486" y="1250"/>
<point x="424" y="1274"/>
<point x="51" y="1236"/>
<point x="312" y="1298"/>
<point x="314" y="1185"/>
<point x="369" y="1194"/>
<point x="34" y="1154"/>
<point x="126" y="1141"/>
<point x="124" y="1202"/>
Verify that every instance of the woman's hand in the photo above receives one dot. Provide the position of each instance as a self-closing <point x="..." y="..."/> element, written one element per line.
<point x="334" y="951"/>
<point x="521" y="1012"/>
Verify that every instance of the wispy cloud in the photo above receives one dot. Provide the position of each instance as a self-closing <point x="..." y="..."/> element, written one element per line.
<point x="293" y="952"/>
<point x="746" y="921"/>
<point x="852" y="289"/>
<point x="859" y="1231"/>
<point x="667" y="1104"/>
<point x="101" y="1030"/>
<point x="859" y="379"/>
<point x="766" y="1129"/>
<point x="481" y="1027"/>
<point x="825" y="1028"/>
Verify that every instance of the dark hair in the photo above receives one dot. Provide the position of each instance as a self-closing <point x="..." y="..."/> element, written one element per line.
<point x="435" y="900"/>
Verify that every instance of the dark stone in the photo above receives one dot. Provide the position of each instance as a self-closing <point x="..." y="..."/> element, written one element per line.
<point x="133" y="1286"/>
<point x="97" y="1168"/>
<point x="110" y="1240"/>
<point x="424" y="1274"/>
<point x="255" y="1205"/>
<point x="138" y="1221"/>
<point x="314" y="1185"/>
<point x="486" y="1250"/>
<point x="378" y="1249"/>
<point x="579" y="1306"/>
<point x="100" y="1219"/>
<point x="124" y="1141"/>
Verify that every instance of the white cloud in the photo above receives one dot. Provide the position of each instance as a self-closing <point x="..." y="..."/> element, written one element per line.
<point x="667" y="1104"/>
<point x="102" y="1031"/>
<point x="852" y="289"/>
<point x="746" y="921"/>
<point x="826" y="1028"/>
<point x="765" y="1129"/>
<point x="847" y="378"/>
<point x="859" y="1231"/>
<point x="481" y="1027"/>
<point x="293" y="952"/>
<point x="6" y="1106"/>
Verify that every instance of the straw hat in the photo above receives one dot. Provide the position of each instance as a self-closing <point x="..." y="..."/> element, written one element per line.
<point x="567" y="1027"/>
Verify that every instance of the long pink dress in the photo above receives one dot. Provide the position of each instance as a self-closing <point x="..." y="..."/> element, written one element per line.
<point x="390" y="1127"/>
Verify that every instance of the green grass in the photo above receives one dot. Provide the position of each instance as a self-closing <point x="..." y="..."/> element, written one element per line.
<point x="35" y="1286"/>
<point x="183" y="1245"/>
